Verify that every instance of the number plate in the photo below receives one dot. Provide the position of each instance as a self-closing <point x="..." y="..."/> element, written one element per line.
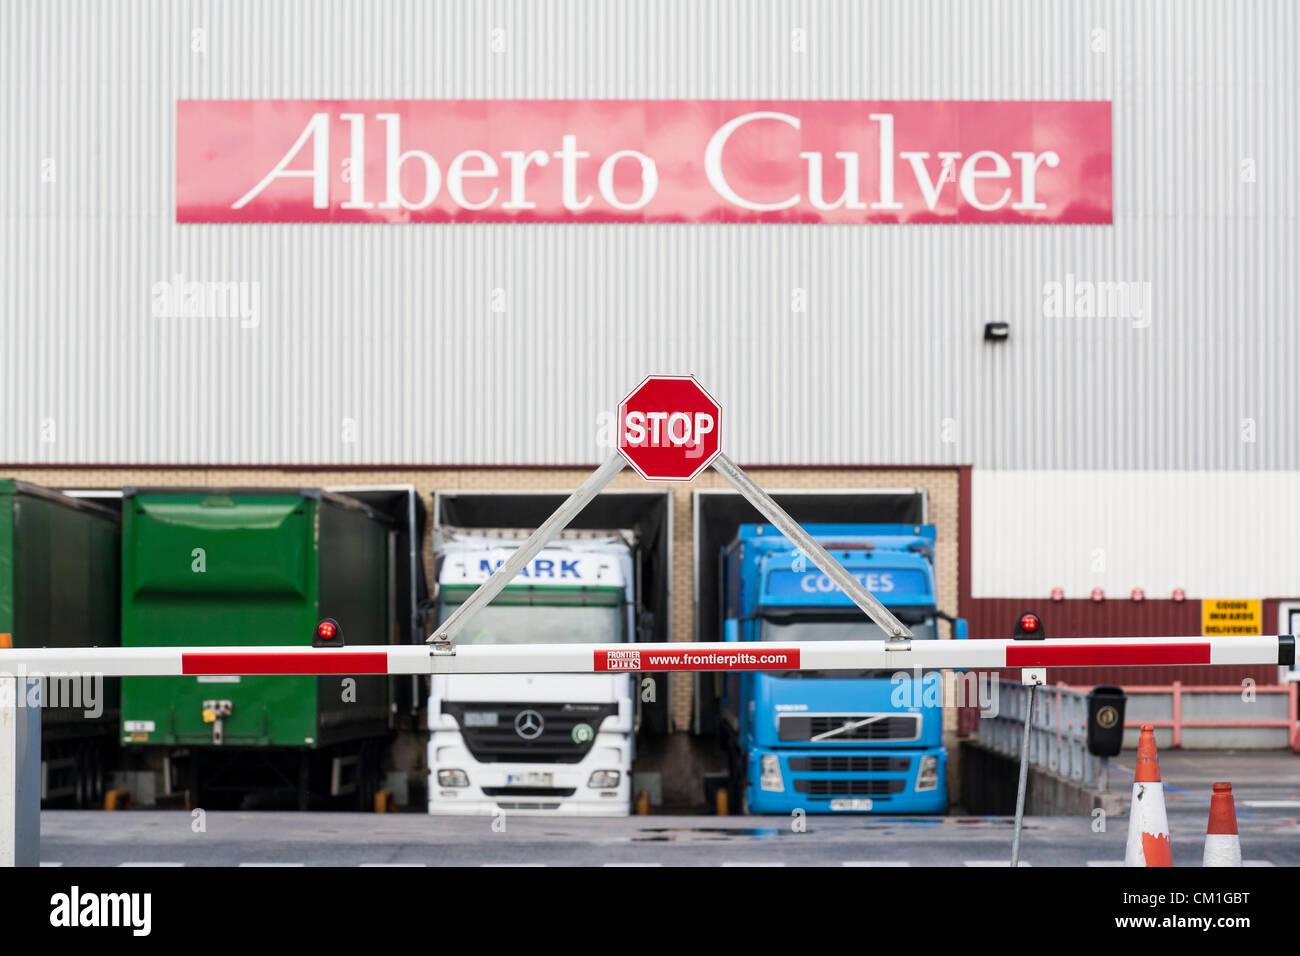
<point x="850" y="803"/>
<point x="480" y="718"/>
<point x="531" y="779"/>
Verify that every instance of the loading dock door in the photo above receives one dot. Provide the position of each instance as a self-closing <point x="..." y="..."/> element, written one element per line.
<point x="717" y="515"/>
<point x="648" y="513"/>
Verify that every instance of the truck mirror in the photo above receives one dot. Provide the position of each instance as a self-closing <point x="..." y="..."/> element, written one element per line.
<point x="1106" y="721"/>
<point x="732" y="630"/>
<point x="959" y="629"/>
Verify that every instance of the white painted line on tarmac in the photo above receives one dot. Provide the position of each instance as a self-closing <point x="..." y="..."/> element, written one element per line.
<point x="164" y="863"/>
<point x="48" y="863"/>
<point x="631" y="864"/>
<point x="1272" y="804"/>
<point x="273" y="864"/>
<point x="1006" y="863"/>
<point x="512" y="864"/>
<point x="875" y="863"/>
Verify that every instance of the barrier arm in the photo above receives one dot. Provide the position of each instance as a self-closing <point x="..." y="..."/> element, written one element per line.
<point x="673" y="656"/>
<point x="20" y="745"/>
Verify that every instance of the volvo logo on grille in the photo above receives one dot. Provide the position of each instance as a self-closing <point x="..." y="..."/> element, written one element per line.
<point x="528" y="724"/>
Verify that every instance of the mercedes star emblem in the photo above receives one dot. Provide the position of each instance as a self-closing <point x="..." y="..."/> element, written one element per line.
<point x="528" y="724"/>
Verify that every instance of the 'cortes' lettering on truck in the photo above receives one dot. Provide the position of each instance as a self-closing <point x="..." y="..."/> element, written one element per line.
<point x="876" y="583"/>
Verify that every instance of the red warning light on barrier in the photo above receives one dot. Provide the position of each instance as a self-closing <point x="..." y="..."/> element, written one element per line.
<point x="327" y="634"/>
<point x="1029" y="627"/>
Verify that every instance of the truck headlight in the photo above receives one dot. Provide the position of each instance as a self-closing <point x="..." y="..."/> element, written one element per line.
<point x="927" y="777"/>
<point x="770" y="773"/>
<point x="453" y="778"/>
<point x="603" y="779"/>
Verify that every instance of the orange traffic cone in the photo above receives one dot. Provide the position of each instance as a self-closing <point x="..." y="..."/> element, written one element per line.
<point x="1148" y="827"/>
<point x="1222" y="845"/>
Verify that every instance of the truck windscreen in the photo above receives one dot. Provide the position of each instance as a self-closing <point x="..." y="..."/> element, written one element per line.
<point x="808" y="627"/>
<point x="541" y="624"/>
<point x="785" y="629"/>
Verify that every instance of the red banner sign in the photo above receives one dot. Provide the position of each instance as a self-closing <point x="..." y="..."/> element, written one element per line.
<point x="836" y="161"/>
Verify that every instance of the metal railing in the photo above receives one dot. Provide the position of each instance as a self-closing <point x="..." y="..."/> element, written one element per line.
<point x="1177" y="722"/>
<point x="1058" y="733"/>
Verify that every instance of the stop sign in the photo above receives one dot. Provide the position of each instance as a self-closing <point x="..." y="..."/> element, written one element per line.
<point x="668" y="427"/>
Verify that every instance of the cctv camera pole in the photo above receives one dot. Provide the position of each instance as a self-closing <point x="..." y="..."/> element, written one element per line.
<point x="1029" y="627"/>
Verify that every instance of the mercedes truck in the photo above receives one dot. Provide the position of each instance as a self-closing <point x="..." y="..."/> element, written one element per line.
<point x="559" y="744"/>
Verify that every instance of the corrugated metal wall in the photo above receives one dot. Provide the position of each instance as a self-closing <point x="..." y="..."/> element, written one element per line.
<point x="379" y="344"/>
<point x="1214" y="534"/>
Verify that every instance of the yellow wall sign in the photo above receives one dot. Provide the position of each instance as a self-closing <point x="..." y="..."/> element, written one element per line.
<point x="1226" y="618"/>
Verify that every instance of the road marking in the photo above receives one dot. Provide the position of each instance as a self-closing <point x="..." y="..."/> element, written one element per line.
<point x="48" y="863"/>
<point x="1006" y="863"/>
<point x="151" y="864"/>
<point x="273" y="864"/>
<point x="1257" y="863"/>
<point x="1272" y="804"/>
<point x="631" y="864"/>
<point x="764" y="863"/>
<point x="512" y="864"/>
<point x="875" y="863"/>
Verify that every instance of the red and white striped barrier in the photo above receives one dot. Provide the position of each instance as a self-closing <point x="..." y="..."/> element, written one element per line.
<point x="601" y="658"/>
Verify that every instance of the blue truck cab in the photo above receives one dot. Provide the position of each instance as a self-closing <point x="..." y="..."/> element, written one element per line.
<point x="833" y="741"/>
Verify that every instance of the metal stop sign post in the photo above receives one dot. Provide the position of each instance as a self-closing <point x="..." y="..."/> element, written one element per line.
<point x="668" y="429"/>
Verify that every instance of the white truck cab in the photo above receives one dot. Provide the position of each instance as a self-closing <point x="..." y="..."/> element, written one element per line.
<point x="558" y="744"/>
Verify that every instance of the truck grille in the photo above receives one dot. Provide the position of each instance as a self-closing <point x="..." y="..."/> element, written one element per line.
<point x="831" y="728"/>
<point x="500" y="742"/>
<point x="529" y="791"/>
<point x="849" y="788"/>
<point x="834" y="764"/>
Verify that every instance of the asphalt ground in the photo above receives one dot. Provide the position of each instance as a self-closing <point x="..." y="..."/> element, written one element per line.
<point x="1266" y="788"/>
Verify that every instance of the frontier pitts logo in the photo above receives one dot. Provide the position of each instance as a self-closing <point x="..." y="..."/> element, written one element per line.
<point x="643" y="161"/>
<point x="623" y="660"/>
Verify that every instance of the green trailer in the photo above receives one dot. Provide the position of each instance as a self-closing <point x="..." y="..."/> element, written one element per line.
<point x="209" y="567"/>
<point x="59" y="585"/>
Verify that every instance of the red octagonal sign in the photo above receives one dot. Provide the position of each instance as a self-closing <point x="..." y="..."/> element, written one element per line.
<point x="668" y="428"/>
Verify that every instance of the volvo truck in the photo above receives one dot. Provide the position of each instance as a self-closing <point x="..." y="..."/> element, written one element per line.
<point x="559" y="744"/>
<point x="833" y="741"/>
